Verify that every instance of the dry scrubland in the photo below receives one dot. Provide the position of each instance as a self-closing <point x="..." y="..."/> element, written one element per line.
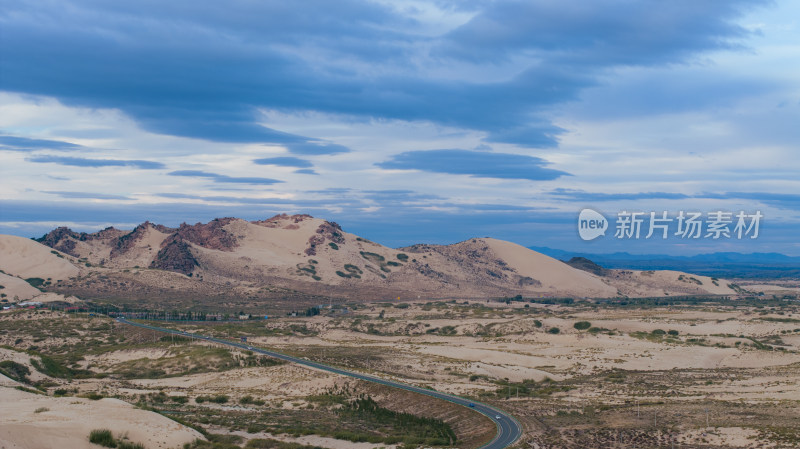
<point x="721" y="374"/>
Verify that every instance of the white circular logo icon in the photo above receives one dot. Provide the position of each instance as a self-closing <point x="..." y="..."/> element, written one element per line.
<point x="591" y="224"/>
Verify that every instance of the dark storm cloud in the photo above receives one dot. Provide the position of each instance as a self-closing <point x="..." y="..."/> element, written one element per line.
<point x="87" y="162"/>
<point x="788" y="201"/>
<point x="15" y="143"/>
<point x="205" y="69"/>
<point x="474" y="163"/>
<point x="581" y="195"/>
<point x="87" y="195"/>
<point x="284" y="161"/>
<point x="216" y="177"/>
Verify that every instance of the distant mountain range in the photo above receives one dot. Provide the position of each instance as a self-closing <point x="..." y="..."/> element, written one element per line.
<point x="237" y="262"/>
<point x="720" y="264"/>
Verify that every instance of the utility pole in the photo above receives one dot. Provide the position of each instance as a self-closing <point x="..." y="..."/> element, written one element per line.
<point x="637" y="409"/>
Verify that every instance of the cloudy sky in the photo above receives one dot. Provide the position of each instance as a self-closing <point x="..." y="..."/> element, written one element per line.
<point x="404" y="121"/>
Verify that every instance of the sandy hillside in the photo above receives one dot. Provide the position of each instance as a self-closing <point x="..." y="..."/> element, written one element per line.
<point x="16" y="287"/>
<point x="666" y="283"/>
<point x="317" y="257"/>
<point x="679" y="282"/>
<point x="555" y="276"/>
<point x="67" y="422"/>
<point x="298" y="247"/>
<point x="25" y="258"/>
<point x="142" y="248"/>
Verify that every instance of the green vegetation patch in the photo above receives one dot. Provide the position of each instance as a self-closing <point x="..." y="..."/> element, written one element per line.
<point x="392" y="427"/>
<point x="15" y="371"/>
<point x="180" y="361"/>
<point x="105" y="438"/>
<point x="380" y="261"/>
<point x="352" y="271"/>
<point x="582" y="325"/>
<point x="309" y="269"/>
<point x="35" y="282"/>
<point x="51" y="367"/>
<point x="527" y="388"/>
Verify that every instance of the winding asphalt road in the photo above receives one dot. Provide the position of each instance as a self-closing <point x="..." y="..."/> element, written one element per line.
<point x="508" y="429"/>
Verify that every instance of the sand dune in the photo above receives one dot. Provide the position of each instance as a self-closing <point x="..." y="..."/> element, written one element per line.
<point x="553" y="274"/>
<point x="16" y="287"/>
<point x="25" y="258"/>
<point x="317" y="257"/>
<point x="66" y="422"/>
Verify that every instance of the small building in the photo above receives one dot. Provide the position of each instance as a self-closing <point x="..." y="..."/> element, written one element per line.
<point x="30" y="304"/>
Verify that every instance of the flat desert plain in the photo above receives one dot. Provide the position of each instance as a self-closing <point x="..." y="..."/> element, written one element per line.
<point x="693" y="373"/>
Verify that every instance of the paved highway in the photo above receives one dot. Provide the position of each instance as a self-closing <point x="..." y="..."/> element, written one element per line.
<point x="508" y="429"/>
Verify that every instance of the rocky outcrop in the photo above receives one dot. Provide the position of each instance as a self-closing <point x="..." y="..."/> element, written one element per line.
<point x="327" y="231"/>
<point x="211" y="235"/>
<point x="282" y="220"/>
<point x="61" y="239"/>
<point x="124" y="243"/>
<point x="175" y="255"/>
<point x="585" y="264"/>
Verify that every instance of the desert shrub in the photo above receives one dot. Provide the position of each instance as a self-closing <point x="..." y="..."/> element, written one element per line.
<point x="250" y="400"/>
<point x="35" y="282"/>
<point x="377" y="258"/>
<point x="260" y="443"/>
<point x="15" y="371"/>
<point x="352" y="271"/>
<point x="41" y="410"/>
<point x="448" y="330"/>
<point x="48" y="366"/>
<point x="179" y="399"/>
<point x="658" y="332"/>
<point x="553" y="330"/>
<point x="256" y="427"/>
<point x="92" y="396"/>
<point x="333" y="245"/>
<point x="103" y="437"/>
<point x="219" y="399"/>
<point x="402" y="257"/>
<point x="672" y="332"/>
<point x="537" y="323"/>
<point x="582" y="325"/>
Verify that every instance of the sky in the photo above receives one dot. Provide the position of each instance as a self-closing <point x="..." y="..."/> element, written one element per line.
<point x="405" y="121"/>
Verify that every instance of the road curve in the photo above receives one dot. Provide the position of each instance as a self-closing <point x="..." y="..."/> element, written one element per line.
<point x="508" y="429"/>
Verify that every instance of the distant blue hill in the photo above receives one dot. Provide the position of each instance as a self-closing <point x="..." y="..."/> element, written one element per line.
<point x="722" y="264"/>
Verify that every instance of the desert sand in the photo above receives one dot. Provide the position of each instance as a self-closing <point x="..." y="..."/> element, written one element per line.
<point x="32" y="421"/>
<point x="25" y="258"/>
